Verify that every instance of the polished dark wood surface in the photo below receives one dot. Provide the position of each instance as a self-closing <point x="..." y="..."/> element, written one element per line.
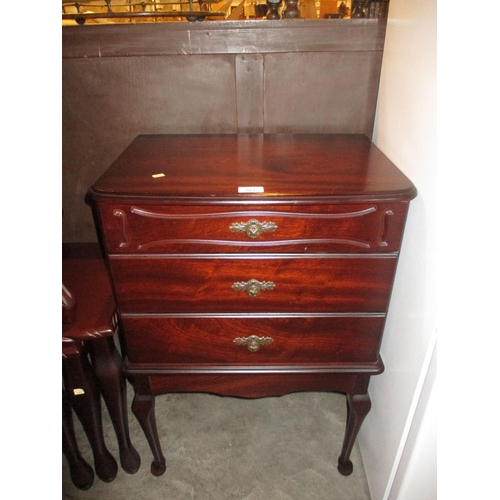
<point x="300" y="228"/>
<point x="84" y="274"/>
<point x="338" y="168"/>
<point x="272" y="383"/>
<point x="184" y="247"/>
<point x="210" y="339"/>
<point x="81" y="472"/>
<point x="197" y="284"/>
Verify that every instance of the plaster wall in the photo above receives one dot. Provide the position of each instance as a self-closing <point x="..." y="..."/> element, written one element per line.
<point x="405" y="130"/>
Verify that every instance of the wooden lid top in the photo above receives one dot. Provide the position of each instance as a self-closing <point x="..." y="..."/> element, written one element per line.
<point x="85" y="275"/>
<point x="258" y="168"/>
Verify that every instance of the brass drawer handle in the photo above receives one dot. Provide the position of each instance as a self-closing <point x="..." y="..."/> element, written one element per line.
<point x="253" y="228"/>
<point x="253" y="287"/>
<point x="253" y="342"/>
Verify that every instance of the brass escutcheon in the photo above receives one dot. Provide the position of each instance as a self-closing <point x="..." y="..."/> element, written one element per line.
<point x="253" y="228"/>
<point x="253" y="287"/>
<point x="253" y="342"/>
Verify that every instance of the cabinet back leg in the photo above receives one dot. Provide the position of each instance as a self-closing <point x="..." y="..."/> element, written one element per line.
<point x="143" y="407"/>
<point x="358" y="407"/>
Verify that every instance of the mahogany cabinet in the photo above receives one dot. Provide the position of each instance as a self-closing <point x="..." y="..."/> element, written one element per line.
<point x="252" y="265"/>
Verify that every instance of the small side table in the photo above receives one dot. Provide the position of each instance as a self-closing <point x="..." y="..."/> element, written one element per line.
<point x="90" y="331"/>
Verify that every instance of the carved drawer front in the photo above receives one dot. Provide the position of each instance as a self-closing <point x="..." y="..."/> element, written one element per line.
<point x="252" y="340"/>
<point x="371" y="227"/>
<point x="332" y="282"/>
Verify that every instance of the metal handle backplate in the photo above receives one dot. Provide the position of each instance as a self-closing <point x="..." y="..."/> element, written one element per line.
<point x="253" y="228"/>
<point x="253" y="287"/>
<point x="253" y="342"/>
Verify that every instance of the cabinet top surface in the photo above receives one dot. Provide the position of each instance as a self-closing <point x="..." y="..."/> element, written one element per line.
<point x="253" y="168"/>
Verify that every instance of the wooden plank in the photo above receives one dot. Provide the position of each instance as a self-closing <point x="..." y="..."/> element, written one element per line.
<point x="223" y="37"/>
<point x="250" y="92"/>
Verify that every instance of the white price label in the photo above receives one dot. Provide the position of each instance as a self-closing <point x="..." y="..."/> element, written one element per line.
<point x="250" y="189"/>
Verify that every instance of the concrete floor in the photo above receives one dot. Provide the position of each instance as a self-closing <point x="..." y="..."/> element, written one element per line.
<point x="229" y="448"/>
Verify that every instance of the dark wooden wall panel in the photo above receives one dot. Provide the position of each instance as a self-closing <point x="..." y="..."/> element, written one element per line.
<point x="322" y="92"/>
<point x="250" y="92"/>
<point x="211" y="77"/>
<point x="224" y="37"/>
<point x="109" y="101"/>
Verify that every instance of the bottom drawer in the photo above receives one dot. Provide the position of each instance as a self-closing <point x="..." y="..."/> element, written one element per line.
<point x="252" y="340"/>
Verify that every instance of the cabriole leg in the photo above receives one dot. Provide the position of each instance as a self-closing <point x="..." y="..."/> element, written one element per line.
<point x="358" y="407"/>
<point x="81" y="472"/>
<point x="107" y="366"/>
<point x="143" y="408"/>
<point x="86" y="401"/>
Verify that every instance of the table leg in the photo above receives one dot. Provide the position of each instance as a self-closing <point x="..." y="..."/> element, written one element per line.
<point x="108" y="370"/>
<point x="358" y="407"/>
<point x="81" y="472"/>
<point x="143" y="407"/>
<point x="85" y="399"/>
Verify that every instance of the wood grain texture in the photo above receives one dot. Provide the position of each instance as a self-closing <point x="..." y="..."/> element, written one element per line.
<point x="226" y="37"/>
<point x="296" y="228"/>
<point x="295" y="340"/>
<point x="194" y="284"/>
<point x="210" y="169"/>
<point x="250" y="92"/>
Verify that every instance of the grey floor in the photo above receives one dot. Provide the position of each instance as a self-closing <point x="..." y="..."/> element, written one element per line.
<point x="228" y="448"/>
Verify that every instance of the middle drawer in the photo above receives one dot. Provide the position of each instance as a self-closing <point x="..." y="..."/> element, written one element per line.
<point x="335" y="283"/>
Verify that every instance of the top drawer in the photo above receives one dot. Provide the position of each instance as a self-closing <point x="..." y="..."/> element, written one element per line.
<point x="369" y="227"/>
